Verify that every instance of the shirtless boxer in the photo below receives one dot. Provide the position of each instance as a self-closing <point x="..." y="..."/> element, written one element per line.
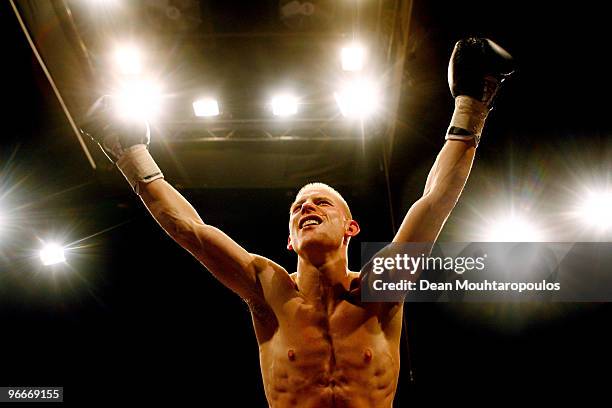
<point x="319" y="345"/>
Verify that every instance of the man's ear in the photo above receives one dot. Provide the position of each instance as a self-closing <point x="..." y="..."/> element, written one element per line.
<point x="289" y="246"/>
<point x="353" y="229"/>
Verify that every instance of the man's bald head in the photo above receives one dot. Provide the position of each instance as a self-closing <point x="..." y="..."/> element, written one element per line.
<point x="328" y="189"/>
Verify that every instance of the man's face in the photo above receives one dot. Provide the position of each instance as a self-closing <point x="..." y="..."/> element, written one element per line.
<point x="317" y="220"/>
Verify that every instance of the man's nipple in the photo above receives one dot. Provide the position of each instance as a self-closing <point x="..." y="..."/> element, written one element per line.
<point x="367" y="355"/>
<point x="291" y="355"/>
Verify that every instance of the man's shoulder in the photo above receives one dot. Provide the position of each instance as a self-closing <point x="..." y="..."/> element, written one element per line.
<point x="273" y="276"/>
<point x="262" y="263"/>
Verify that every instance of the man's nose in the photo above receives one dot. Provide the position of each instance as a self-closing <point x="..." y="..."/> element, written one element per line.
<point x="308" y="206"/>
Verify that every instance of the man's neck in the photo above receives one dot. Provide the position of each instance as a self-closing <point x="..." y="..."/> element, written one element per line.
<point x="325" y="279"/>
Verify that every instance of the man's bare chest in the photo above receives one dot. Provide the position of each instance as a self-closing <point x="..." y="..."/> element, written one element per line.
<point x="343" y="333"/>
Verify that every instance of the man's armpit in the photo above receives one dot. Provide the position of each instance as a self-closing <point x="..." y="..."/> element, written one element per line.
<point x="264" y="320"/>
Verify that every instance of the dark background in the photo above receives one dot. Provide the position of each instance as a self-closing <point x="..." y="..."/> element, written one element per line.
<point x="132" y="312"/>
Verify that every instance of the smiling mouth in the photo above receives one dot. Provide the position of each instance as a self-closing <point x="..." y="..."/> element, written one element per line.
<point x="310" y="222"/>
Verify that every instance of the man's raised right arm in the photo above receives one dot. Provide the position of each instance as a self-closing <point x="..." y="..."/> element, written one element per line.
<point x="231" y="264"/>
<point x="126" y="144"/>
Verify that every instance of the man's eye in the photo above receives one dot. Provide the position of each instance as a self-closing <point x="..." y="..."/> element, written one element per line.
<point x="324" y="202"/>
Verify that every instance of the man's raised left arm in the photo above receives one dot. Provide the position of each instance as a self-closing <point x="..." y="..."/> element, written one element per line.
<point x="476" y="70"/>
<point x="444" y="185"/>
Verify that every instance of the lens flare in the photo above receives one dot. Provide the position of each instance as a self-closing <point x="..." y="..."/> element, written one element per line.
<point x="358" y="98"/>
<point x="206" y="107"/>
<point x="284" y="105"/>
<point x="128" y="60"/>
<point x="352" y="57"/>
<point x="52" y="254"/>
<point x="596" y="210"/>
<point x="513" y="229"/>
<point x="138" y="99"/>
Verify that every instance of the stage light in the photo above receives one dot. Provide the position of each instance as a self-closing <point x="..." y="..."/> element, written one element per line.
<point x="52" y="254"/>
<point x="138" y="99"/>
<point x="128" y="59"/>
<point x="352" y="57"/>
<point x="358" y="99"/>
<point x="513" y="229"/>
<point x="284" y="105"/>
<point x="206" y="107"/>
<point x="596" y="209"/>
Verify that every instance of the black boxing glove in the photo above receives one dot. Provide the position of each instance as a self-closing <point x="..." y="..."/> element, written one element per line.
<point x="124" y="141"/>
<point x="476" y="70"/>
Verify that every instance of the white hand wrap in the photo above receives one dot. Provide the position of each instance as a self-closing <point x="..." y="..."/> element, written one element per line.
<point x="468" y="119"/>
<point x="137" y="165"/>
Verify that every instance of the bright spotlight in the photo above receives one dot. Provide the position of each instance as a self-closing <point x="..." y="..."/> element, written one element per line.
<point x="284" y="105"/>
<point x="138" y="99"/>
<point x="358" y="99"/>
<point x="596" y="210"/>
<point x="206" y="107"/>
<point x="128" y="60"/>
<point x="352" y="57"/>
<point x="513" y="229"/>
<point x="52" y="254"/>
